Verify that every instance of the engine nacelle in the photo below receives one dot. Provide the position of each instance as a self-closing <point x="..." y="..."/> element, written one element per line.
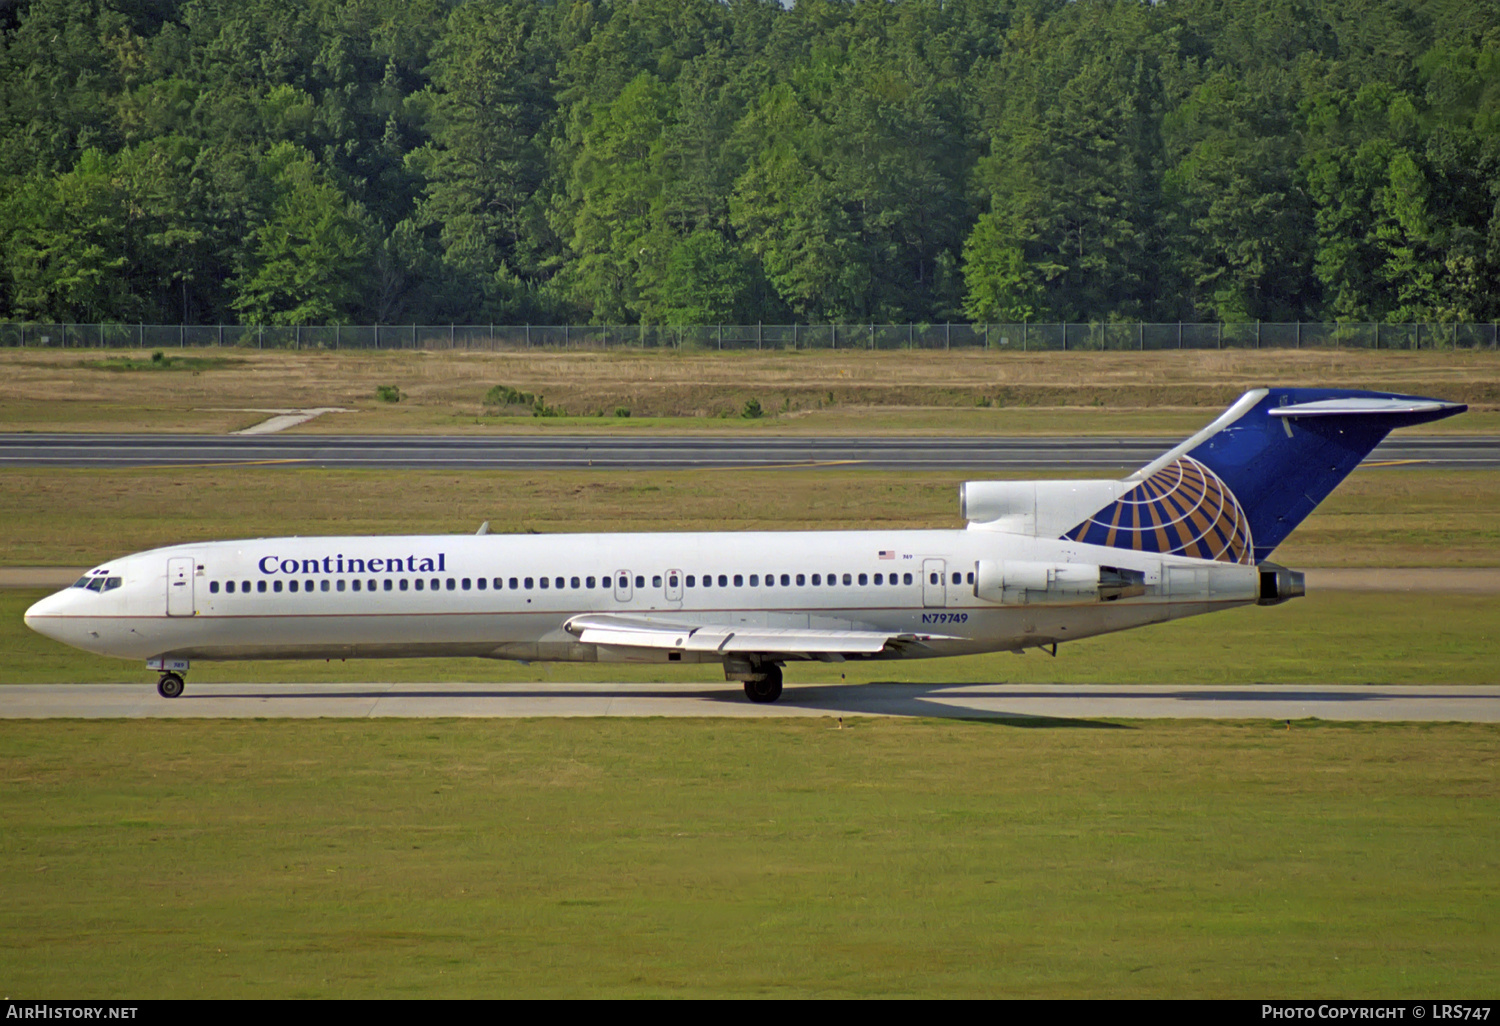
<point x="1014" y="582"/>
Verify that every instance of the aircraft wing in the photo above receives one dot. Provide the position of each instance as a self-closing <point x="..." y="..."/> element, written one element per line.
<point x="643" y="632"/>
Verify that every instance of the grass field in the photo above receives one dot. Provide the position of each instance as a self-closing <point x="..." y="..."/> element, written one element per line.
<point x="822" y="392"/>
<point x="600" y="858"/>
<point x="609" y="858"/>
<point x="1377" y="517"/>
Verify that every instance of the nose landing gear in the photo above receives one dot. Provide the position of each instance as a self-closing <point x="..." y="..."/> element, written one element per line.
<point x="171" y="682"/>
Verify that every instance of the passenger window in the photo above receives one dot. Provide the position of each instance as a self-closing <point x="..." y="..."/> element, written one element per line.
<point x="244" y="587"/>
<point x="833" y="580"/>
<point x="260" y="586"/>
<point x="723" y="581"/>
<point x="754" y="581"/>
<point x="529" y="583"/>
<point x="545" y="582"/>
<point x="671" y="580"/>
<point x="307" y="585"/>
<point x="341" y="584"/>
<point x="958" y="578"/>
<point x="387" y="584"/>
<point x="847" y="579"/>
<point x="355" y="585"/>
<point x="739" y="581"/>
<point x="786" y="580"/>
<point x="588" y="582"/>
<point x="817" y="579"/>
<point x="213" y="587"/>
<point x="689" y="580"/>
<point x="878" y="580"/>
<point x="801" y="580"/>
<point x="559" y="583"/>
<point x="640" y="580"/>
<point x="418" y="583"/>
<point x="932" y="578"/>
<point x="970" y="576"/>
<point x="325" y="585"/>
<point x="514" y="584"/>
<point x="466" y="583"/>
<point x="276" y="587"/>
<point x="863" y="580"/>
<point x="291" y="585"/>
<point x="906" y="578"/>
<point x="403" y="584"/>
<point x="437" y="583"/>
<point x="572" y="582"/>
<point x="656" y="580"/>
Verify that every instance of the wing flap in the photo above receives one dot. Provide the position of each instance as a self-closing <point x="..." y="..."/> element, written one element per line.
<point x="634" y="632"/>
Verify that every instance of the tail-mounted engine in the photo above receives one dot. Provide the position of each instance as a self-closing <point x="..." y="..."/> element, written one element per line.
<point x="1013" y="582"/>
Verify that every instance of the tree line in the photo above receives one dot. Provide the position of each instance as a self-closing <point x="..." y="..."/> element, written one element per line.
<point x="740" y="161"/>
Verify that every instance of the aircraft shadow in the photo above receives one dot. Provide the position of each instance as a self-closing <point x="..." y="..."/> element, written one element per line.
<point x="884" y="698"/>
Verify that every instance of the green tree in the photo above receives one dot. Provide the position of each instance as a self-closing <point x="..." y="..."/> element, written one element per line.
<point x="309" y="259"/>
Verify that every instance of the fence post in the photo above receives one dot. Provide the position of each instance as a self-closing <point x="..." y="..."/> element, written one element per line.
<point x="182" y="336"/>
<point x="1257" y="333"/>
<point x="1140" y="335"/>
<point x="1024" y="323"/>
<point x="986" y="335"/>
<point x="721" y="338"/>
<point x="414" y="336"/>
<point x="1065" y="336"/>
<point x="872" y="335"/>
<point x="1179" y="334"/>
<point x="260" y="336"/>
<point x="1221" y="334"/>
<point x="758" y="339"/>
<point x="337" y="330"/>
<point x="947" y="335"/>
<point x="794" y="336"/>
<point x="1299" y="334"/>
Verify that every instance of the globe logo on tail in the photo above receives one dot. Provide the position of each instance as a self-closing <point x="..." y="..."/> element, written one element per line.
<point x="1183" y="509"/>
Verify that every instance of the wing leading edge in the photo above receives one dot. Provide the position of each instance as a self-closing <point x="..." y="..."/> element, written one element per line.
<point x="643" y="632"/>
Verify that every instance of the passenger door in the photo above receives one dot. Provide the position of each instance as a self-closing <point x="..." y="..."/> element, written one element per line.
<point x="623" y="591"/>
<point x="934" y="583"/>
<point x="180" y="586"/>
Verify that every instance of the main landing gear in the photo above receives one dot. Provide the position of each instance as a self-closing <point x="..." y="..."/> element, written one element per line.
<point x="170" y="685"/>
<point x="766" y="685"/>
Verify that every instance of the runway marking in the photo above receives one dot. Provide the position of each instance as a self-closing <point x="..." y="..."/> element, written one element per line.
<point x="225" y="463"/>
<point x="1390" y="463"/>
<point x="789" y="466"/>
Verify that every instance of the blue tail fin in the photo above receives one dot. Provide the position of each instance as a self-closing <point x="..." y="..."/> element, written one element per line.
<point x="1237" y="488"/>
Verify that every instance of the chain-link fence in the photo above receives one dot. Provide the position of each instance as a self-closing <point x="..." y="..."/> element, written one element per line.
<point x="1025" y="337"/>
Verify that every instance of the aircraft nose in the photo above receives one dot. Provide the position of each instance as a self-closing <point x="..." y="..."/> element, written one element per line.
<point x="41" y="616"/>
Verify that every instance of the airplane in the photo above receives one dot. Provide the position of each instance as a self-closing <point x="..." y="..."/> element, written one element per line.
<point x="1038" y="563"/>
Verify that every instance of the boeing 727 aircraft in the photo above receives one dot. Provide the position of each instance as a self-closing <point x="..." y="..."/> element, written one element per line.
<point x="1040" y="563"/>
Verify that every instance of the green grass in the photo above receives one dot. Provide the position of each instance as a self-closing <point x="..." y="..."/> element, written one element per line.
<point x="1327" y="638"/>
<point x="59" y="517"/>
<point x="605" y="858"/>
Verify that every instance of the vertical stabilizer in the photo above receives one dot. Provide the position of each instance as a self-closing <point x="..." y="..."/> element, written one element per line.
<point x="1237" y="488"/>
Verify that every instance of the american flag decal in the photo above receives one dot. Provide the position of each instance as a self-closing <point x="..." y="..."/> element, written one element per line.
<point x="887" y="554"/>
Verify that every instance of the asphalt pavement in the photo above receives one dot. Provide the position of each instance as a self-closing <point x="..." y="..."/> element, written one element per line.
<point x="1072" y="704"/>
<point x="569" y="452"/>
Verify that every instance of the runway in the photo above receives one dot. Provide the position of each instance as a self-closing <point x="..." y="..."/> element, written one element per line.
<point x="1057" y="704"/>
<point x="977" y="454"/>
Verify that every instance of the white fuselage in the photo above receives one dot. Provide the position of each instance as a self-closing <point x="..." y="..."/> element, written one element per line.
<point x="509" y="596"/>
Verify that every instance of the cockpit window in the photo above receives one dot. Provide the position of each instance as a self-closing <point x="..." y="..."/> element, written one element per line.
<point x="96" y="584"/>
<point x="82" y="582"/>
<point x="111" y="583"/>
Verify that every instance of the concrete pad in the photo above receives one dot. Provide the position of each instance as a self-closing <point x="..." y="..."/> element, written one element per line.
<point x="1472" y="704"/>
